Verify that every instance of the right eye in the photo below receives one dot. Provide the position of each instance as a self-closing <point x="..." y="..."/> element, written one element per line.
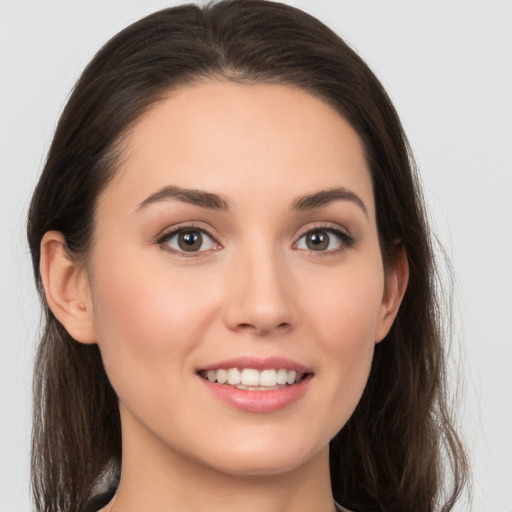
<point x="188" y="240"/>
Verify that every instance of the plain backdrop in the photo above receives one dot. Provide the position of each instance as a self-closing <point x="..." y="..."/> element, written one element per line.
<point x="447" y="66"/>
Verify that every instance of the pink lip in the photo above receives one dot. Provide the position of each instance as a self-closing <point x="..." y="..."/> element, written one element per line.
<point x="258" y="401"/>
<point x="258" y="364"/>
<point x="264" y="400"/>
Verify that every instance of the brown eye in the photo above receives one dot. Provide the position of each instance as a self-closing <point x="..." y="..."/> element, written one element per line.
<point x="327" y="240"/>
<point x="317" y="241"/>
<point x="188" y="241"/>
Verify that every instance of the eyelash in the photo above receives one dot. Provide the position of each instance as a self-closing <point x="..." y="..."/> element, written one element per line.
<point x="164" y="238"/>
<point x="346" y="240"/>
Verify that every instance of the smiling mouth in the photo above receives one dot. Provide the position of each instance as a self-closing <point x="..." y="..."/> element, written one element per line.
<point x="251" y="379"/>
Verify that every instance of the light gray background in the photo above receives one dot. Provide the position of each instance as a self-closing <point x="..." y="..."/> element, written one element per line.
<point x="448" y="68"/>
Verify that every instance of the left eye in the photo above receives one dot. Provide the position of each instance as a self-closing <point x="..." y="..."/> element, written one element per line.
<point x="190" y="240"/>
<point x="320" y="240"/>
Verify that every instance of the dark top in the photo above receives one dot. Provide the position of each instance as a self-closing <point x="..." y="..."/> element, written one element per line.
<point x="100" y="500"/>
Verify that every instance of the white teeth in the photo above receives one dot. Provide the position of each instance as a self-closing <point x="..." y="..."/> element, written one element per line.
<point x="268" y="378"/>
<point x="282" y="376"/>
<point x="250" y="377"/>
<point x="222" y="376"/>
<point x="234" y="376"/>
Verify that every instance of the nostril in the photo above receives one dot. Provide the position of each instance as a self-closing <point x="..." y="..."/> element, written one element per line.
<point x="250" y="313"/>
<point x="263" y="328"/>
<point x="246" y="327"/>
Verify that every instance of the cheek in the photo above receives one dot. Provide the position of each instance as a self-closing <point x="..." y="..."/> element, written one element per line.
<point x="147" y="319"/>
<point x="347" y="304"/>
<point x="344" y="318"/>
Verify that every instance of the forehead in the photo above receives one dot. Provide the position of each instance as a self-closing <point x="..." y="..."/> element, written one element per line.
<point x="241" y="139"/>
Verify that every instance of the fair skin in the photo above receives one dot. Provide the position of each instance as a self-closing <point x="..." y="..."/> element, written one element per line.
<point x="261" y="275"/>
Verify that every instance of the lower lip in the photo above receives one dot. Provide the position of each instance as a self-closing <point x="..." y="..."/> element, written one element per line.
<point x="258" y="401"/>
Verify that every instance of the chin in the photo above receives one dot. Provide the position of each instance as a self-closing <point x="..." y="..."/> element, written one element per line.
<point x="265" y="461"/>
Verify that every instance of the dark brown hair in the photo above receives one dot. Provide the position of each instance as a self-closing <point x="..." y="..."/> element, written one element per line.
<point x="399" y="448"/>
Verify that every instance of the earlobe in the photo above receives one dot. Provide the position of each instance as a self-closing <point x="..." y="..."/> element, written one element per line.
<point x="66" y="288"/>
<point x="397" y="278"/>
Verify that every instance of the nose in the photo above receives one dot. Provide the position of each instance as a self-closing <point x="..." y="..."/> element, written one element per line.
<point x="260" y="297"/>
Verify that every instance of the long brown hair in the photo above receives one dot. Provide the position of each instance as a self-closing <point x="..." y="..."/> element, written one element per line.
<point x="399" y="448"/>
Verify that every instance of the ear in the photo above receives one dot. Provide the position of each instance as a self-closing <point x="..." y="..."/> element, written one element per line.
<point x="66" y="288"/>
<point x="396" y="279"/>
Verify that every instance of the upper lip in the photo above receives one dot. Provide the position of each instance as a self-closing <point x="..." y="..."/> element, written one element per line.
<point x="266" y="363"/>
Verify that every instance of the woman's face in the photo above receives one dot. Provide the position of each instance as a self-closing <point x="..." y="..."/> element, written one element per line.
<point x="238" y="242"/>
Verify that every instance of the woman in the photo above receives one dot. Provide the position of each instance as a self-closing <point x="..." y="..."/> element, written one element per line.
<point x="238" y="280"/>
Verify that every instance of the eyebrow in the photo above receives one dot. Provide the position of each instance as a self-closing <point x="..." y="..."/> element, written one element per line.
<point x="191" y="196"/>
<point x="216" y="202"/>
<point x="324" y="197"/>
